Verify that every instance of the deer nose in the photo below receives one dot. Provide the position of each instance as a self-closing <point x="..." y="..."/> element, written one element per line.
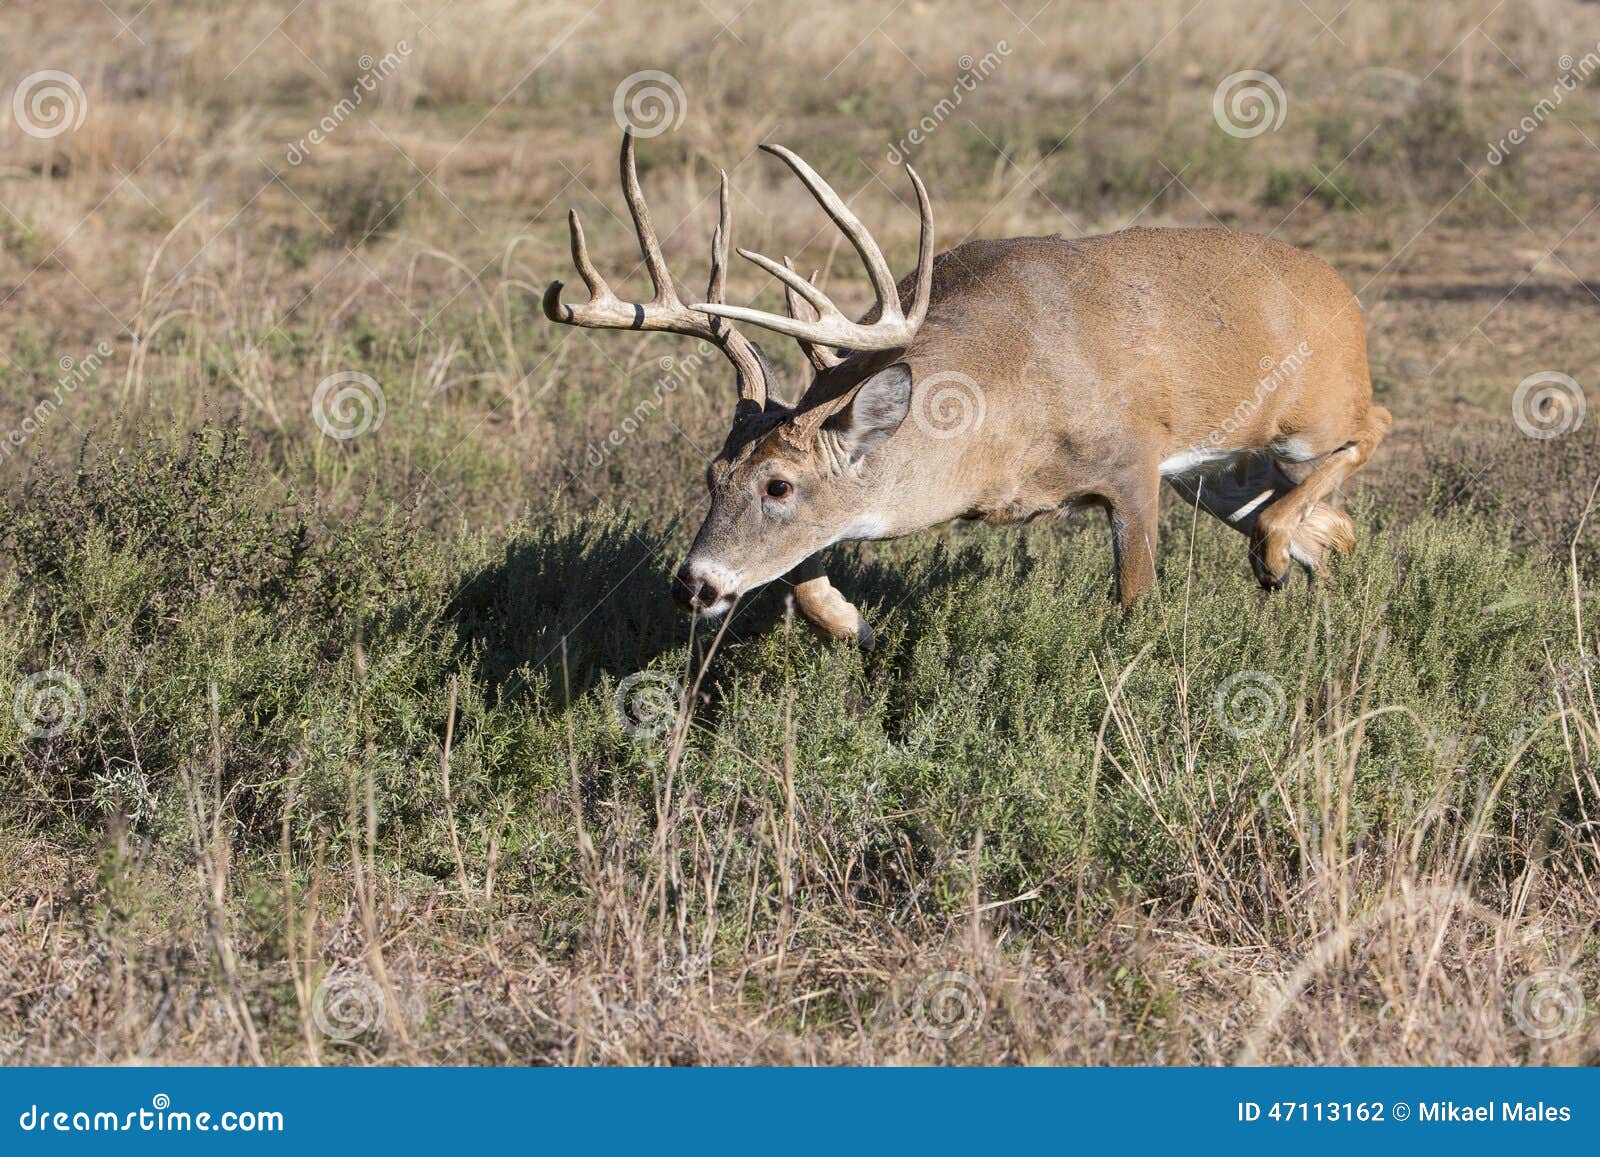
<point x="692" y="593"/>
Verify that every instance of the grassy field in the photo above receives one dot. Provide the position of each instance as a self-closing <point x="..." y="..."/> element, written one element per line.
<point x="364" y="731"/>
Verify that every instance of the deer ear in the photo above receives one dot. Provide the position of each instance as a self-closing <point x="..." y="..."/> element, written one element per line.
<point x="879" y="406"/>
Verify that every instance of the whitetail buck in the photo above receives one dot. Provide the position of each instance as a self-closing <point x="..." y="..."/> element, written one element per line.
<point x="1088" y="370"/>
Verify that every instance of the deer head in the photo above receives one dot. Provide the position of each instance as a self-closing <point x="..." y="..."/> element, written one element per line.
<point x="790" y="480"/>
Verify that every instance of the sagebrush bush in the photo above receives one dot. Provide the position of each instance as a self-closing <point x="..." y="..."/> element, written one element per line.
<point x="1010" y="707"/>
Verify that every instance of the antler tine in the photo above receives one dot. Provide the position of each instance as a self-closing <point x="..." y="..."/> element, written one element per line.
<point x="654" y="262"/>
<point x="924" y="290"/>
<point x="580" y="257"/>
<point x="665" y="311"/>
<point x="799" y="307"/>
<point x="599" y="291"/>
<point x="849" y="224"/>
<point x="794" y="283"/>
<point x="893" y="328"/>
<point x="802" y="310"/>
<point x="718" y="283"/>
<point x="604" y="310"/>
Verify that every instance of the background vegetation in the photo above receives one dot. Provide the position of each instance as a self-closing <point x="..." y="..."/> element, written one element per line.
<point x="391" y="748"/>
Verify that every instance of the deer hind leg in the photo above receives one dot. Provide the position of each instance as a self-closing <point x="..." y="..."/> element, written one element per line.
<point x="1300" y="527"/>
<point x="1239" y="489"/>
<point x="1234" y="488"/>
<point x="829" y="612"/>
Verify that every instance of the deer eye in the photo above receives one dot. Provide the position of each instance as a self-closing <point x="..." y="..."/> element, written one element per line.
<point x="778" y="488"/>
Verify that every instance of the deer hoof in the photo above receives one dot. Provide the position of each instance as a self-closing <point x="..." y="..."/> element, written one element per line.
<point x="864" y="636"/>
<point x="860" y="634"/>
<point x="1270" y="558"/>
<point x="838" y="628"/>
<point x="1323" y="530"/>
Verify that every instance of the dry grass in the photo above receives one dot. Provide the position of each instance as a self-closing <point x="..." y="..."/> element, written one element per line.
<point x="383" y="798"/>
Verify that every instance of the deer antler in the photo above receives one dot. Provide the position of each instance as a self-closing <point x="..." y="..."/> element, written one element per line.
<point x="892" y="329"/>
<point x="665" y="311"/>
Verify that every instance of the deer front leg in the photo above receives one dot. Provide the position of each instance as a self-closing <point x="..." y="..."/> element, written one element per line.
<point x="1132" y="507"/>
<point x="829" y="612"/>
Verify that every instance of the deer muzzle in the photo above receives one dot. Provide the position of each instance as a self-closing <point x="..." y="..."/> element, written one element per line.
<point x="704" y="590"/>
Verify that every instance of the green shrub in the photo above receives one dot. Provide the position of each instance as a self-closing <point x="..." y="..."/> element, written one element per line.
<point x="218" y="629"/>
